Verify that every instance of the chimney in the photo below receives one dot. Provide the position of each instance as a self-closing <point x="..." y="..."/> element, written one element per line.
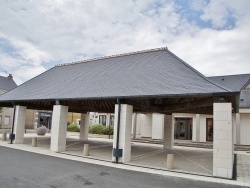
<point x="10" y="76"/>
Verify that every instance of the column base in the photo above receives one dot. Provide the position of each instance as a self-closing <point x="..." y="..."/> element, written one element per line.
<point x="58" y="148"/>
<point x="18" y="141"/>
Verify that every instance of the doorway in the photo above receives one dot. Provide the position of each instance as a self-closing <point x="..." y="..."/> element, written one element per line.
<point x="183" y="128"/>
<point x="210" y="128"/>
<point x="44" y="119"/>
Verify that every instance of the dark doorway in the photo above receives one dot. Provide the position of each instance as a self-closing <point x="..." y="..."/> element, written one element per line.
<point x="183" y="128"/>
<point x="44" y="119"/>
<point x="210" y="128"/>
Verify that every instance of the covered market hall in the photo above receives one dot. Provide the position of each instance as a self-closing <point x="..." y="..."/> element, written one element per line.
<point x="150" y="81"/>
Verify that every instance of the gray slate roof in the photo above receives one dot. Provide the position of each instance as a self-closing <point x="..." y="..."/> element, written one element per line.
<point x="233" y="82"/>
<point x="236" y="83"/>
<point x="146" y="73"/>
<point x="7" y="83"/>
<point x="245" y="99"/>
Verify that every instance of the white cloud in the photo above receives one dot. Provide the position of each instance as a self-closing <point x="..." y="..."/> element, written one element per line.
<point x="215" y="52"/>
<point x="41" y="33"/>
<point x="218" y="12"/>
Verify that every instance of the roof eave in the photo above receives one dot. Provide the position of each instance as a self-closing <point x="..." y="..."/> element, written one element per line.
<point x="132" y="97"/>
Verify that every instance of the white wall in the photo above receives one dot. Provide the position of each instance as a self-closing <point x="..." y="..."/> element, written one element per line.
<point x="245" y="129"/>
<point x="7" y="113"/>
<point x="158" y="126"/>
<point x="146" y="125"/>
<point x="138" y="123"/>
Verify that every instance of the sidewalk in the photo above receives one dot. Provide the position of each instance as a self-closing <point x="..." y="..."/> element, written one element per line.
<point x="43" y="148"/>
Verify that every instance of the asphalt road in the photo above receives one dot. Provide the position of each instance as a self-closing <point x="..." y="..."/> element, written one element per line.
<point x="29" y="170"/>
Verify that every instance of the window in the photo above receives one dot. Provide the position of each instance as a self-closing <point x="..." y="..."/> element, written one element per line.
<point x="102" y="120"/>
<point x="6" y="120"/>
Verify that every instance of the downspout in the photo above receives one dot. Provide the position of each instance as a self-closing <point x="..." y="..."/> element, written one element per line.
<point x="118" y="128"/>
<point x="12" y="129"/>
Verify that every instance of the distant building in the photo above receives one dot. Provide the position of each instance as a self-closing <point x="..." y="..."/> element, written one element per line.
<point x="6" y="114"/>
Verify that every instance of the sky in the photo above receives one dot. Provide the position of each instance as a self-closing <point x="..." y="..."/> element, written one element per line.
<point x="213" y="36"/>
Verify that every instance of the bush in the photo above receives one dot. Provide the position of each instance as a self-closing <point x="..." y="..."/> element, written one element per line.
<point x="73" y="128"/>
<point x="106" y="130"/>
<point x="100" y="129"/>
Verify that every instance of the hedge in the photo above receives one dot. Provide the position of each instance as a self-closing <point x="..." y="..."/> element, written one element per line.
<point x="100" y="129"/>
<point x="73" y="128"/>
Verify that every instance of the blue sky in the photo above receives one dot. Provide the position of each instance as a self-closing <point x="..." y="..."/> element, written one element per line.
<point x="210" y="35"/>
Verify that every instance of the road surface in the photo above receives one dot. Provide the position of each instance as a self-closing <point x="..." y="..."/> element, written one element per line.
<point x="22" y="169"/>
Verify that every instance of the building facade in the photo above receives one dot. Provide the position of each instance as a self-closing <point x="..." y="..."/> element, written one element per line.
<point x="6" y="114"/>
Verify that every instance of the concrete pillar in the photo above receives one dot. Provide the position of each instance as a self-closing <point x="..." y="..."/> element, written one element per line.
<point x="138" y="124"/>
<point x="196" y="128"/>
<point x="84" y="127"/>
<point x="19" y="125"/>
<point x="134" y="117"/>
<point x="199" y="128"/>
<point x="146" y="125"/>
<point x="157" y="126"/>
<point x="59" y="128"/>
<point x="223" y="140"/>
<point x="237" y="132"/>
<point x="203" y="129"/>
<point x="168" y="142"/>
<point x="125" y="132"/>
<point x="108" y="119"/>
<point x="234" y="127"/>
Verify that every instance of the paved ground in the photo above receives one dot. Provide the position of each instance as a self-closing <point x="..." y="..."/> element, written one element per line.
<point x="149" y="153"/>
<point x="28" y="170"/>
<point x="243" y="168"/>
<point x="189" y="160"/>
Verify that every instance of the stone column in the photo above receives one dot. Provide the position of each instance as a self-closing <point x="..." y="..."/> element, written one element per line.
<point x="168" y="142"/>
<point x="196" y="128"/>
<point x="203" y="129"/>
<point x="108" y="118"/>
<point x="125" y="132"/>
<point x="59" y="128"/>
<point x="146" y="125"/>
<point x="138" y="124"/>
<point x="134" y="118"/>
<point x="84" y="128"/>
<point x="157" y="126"/>
<point x="234" y="127"/>
<point x="19" y="125"/>
<point x="223" y="140"/>
<point x="237" y="132"/>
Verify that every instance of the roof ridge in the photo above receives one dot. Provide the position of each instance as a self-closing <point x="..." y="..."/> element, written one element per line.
<point x="245" y="85"/>
<point x="230" y="75"/>
<point x="197" y="72"/>
<point x="112" y="56"/>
